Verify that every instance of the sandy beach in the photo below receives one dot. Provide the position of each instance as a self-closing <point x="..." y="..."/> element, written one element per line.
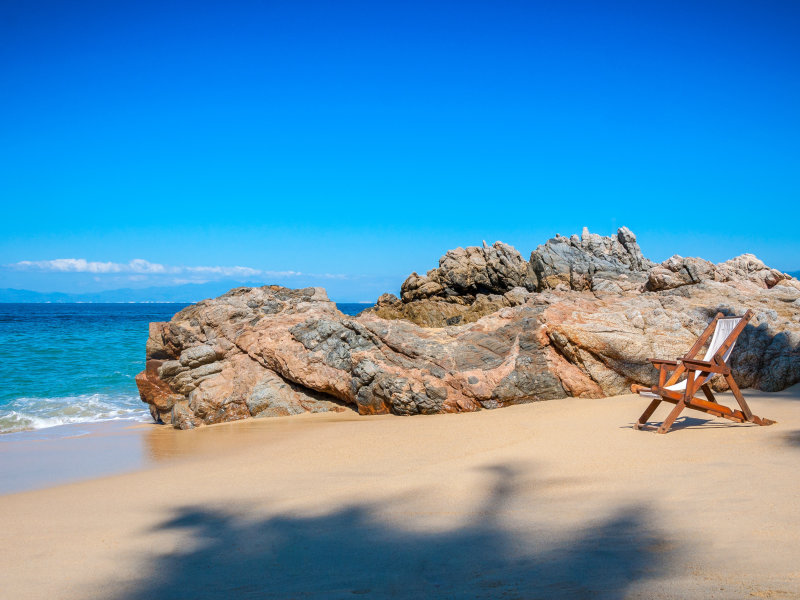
<point x="553" y="499"/>
<point x="339" y="300"/>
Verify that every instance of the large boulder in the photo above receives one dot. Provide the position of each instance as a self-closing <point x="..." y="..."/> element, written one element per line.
<point x="465" y="273"/>
<point x="235" y="357"/>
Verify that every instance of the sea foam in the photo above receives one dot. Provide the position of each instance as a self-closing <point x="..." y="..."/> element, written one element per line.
<point x="24" y="414"/>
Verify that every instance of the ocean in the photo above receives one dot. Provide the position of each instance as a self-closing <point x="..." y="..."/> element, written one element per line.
<point x="76" y="363"/>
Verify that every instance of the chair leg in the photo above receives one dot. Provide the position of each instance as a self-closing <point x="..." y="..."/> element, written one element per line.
<point x="737" y="393"/>
<point x="647" y="414"/>
<point x="708" y="393"/>
<point x="672" y="416"/>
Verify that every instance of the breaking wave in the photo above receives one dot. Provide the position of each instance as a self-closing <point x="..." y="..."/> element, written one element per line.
<point x="25" y="414"/>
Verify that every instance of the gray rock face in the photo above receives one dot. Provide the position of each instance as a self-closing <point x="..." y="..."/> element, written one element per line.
<point x="601" y="311"/>
<point x="678" y="271"/>
<point x="197" y="356"/>
<point x="273" y="396"/>
<point x="591" y="262"/>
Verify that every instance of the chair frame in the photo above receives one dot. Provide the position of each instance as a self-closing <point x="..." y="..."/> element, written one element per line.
<point x="696" y="371"/>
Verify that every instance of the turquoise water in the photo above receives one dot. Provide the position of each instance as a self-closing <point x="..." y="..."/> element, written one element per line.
<point x="76" y="363"/>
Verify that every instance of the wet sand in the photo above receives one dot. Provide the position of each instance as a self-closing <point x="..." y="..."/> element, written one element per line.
<point x="554" y="499"/>
<point x="43" y="458"/>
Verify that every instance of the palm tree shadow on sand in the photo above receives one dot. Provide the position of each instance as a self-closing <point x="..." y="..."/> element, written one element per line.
<point x="352" y="553"/>
<point x="792" y="438"/>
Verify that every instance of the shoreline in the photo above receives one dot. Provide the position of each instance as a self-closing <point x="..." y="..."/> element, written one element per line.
<point x="556" y="498"/>
<point x="40" y="459"/>
<point x="44" y="458"/>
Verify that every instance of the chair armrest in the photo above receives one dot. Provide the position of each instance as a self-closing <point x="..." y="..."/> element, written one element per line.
<point x="704" y="365"/>
<point x="667" y="363"/>
<point x="663" y="367"/>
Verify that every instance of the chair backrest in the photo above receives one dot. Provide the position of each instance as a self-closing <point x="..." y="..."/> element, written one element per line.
<point x="722" y="331"/>
<point x="724" y="328"/>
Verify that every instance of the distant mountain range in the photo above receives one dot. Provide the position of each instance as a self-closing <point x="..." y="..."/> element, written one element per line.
<point x="189" y="293"/>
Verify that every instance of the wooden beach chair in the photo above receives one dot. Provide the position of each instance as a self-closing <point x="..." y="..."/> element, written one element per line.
<point x="723" y="332"/>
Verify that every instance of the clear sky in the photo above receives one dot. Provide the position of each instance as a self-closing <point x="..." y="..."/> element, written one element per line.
<point x="357" y="142"/>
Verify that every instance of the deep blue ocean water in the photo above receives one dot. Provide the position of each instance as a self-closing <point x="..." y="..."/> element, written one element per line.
<point x="76" y="363"/>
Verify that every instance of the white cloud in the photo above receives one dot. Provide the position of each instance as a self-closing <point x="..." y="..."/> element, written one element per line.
<point x="81" y="265"/>
<point x="141" y="267"/>
<point x="76" y="265"/>
<point x="283" y="273"/>
<point x="227" y="271"/>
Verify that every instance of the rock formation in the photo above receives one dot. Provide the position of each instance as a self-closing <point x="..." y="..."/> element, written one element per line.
<point x="483" y="330"/>
<point x="463" y="275"/>
<point x="591" y="262"/>
<point x="678" y="271"/>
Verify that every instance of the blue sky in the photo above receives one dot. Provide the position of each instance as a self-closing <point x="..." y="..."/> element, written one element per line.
<point x="357" y="142"/>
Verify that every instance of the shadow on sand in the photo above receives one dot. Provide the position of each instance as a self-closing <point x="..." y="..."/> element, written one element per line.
<point x="355" y="553"/>
<point x="690" y="423"/>
<point x="793" y="438"/>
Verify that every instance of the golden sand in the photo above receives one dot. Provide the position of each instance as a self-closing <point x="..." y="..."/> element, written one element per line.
<point x="553" y="499"/>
